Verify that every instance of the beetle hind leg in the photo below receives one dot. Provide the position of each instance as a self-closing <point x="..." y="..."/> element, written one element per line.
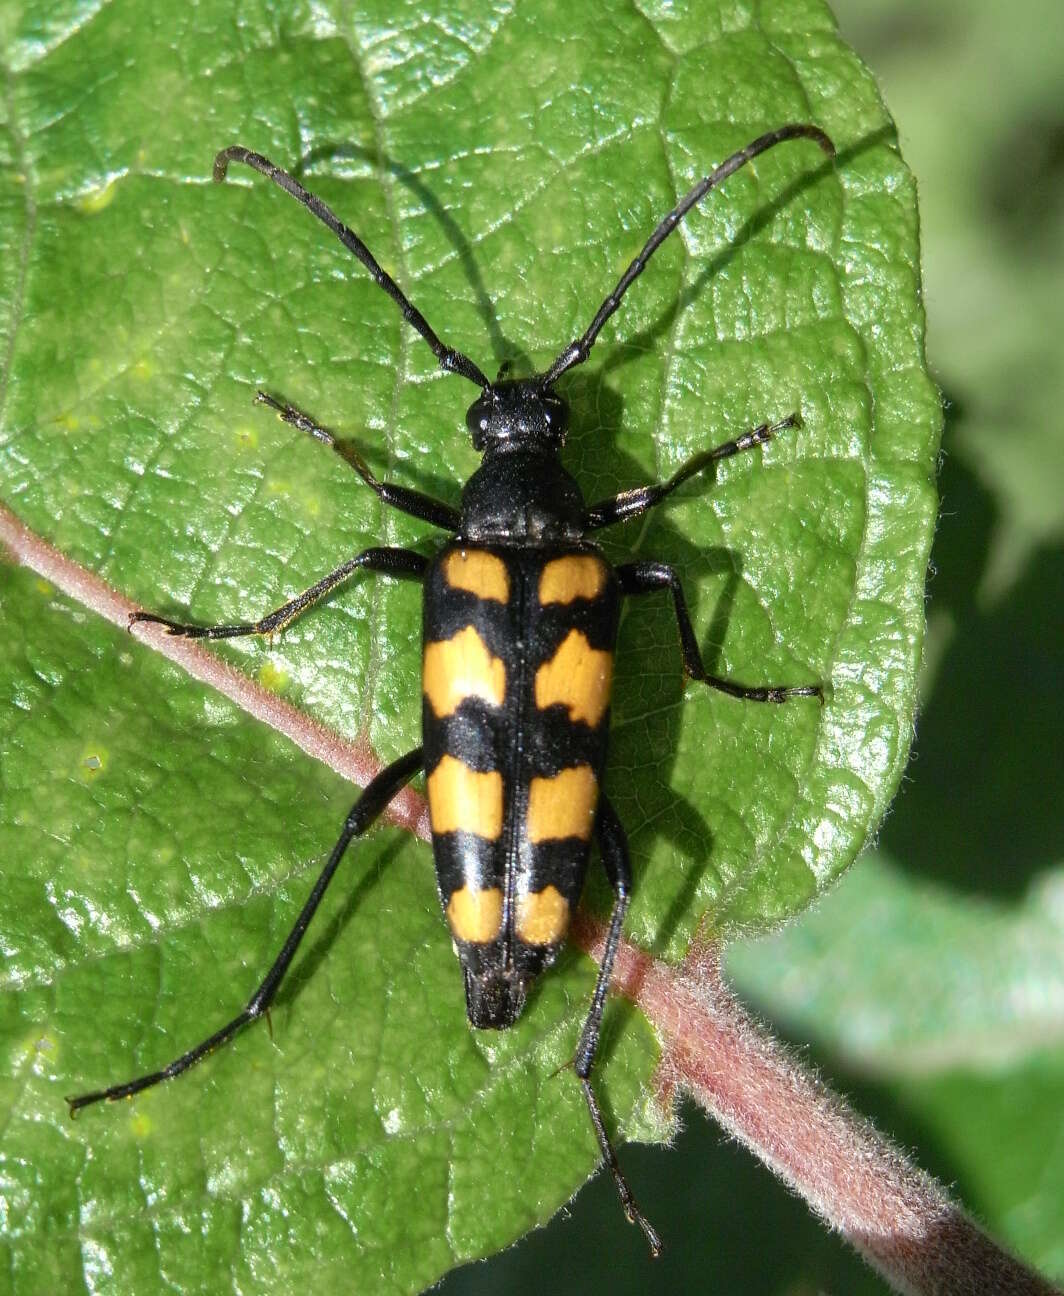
<point x="613" y="846"/>
<point x="374" y="799"/>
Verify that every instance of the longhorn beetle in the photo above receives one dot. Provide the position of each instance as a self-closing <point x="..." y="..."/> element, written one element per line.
<point x="520" y="622"/>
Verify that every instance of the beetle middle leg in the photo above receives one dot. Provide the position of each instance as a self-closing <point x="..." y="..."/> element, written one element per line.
<point x="397" y="562"/>
<point x="644" y="578"/>
<point x="613" y="847"/>
<point x="631" y="503"/>
<point x="374" y="799"/>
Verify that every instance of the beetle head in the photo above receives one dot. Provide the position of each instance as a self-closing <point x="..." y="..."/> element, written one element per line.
<point x="518" y="414"/>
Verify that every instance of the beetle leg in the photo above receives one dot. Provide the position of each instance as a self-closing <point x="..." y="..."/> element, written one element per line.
<point x="398" y="562"/>
<point x="613" y="846"/>
<point x="403" y="498"/>
<point x="369" y="805"/>
<point x="645" y="577"/>
<point x="631" y="503"/>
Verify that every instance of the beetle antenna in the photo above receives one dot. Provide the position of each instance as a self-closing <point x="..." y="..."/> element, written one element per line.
<point x="450" y="360"/>
<point x="577" y="352"/>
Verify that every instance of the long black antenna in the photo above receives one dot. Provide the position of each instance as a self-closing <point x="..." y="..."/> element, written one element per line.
<point x="451" y="360"/>
<point x="577" y="352"/>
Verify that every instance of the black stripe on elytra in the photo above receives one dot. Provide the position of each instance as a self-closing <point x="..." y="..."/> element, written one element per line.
<point x="527" y="960"/>
<point x="474" y="733"/>
<point x="595" y="618"/>
<point x="464" y="859"/>
<point x="561" y="864"/>
<point x="554" y="742"/>
<point x="449" y="613"/>
<point x="479" y="737"/>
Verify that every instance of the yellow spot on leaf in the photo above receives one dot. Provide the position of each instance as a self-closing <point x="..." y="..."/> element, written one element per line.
<point x="34" y="1049"/>
<point x="272" y="677"/>
<point x="97" y="199"/>
<point x="140" y="1126"/>
<point x="92" y="762"/>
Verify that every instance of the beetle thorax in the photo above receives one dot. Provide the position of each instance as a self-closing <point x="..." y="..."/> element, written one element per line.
<point x="522" y="496"/>
<point x="521" y="492"/>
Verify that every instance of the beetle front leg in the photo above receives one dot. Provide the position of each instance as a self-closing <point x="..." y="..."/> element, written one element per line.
<point x="646" y="577"/>
<point x="404" y="498"/>
<point x="399" y="562"/>
<point x="631" y="503"/>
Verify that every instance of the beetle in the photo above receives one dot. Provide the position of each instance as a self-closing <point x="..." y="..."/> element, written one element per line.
<point x="520" y="616"/>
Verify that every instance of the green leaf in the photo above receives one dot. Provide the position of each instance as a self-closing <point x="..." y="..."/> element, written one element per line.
<point x="505" y="165"/>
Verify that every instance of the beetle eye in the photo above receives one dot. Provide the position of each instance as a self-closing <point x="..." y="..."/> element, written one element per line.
<point x="477" y="416"/>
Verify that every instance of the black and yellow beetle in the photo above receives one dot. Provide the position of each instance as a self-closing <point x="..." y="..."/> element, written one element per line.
<point x="520" y="622"/>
